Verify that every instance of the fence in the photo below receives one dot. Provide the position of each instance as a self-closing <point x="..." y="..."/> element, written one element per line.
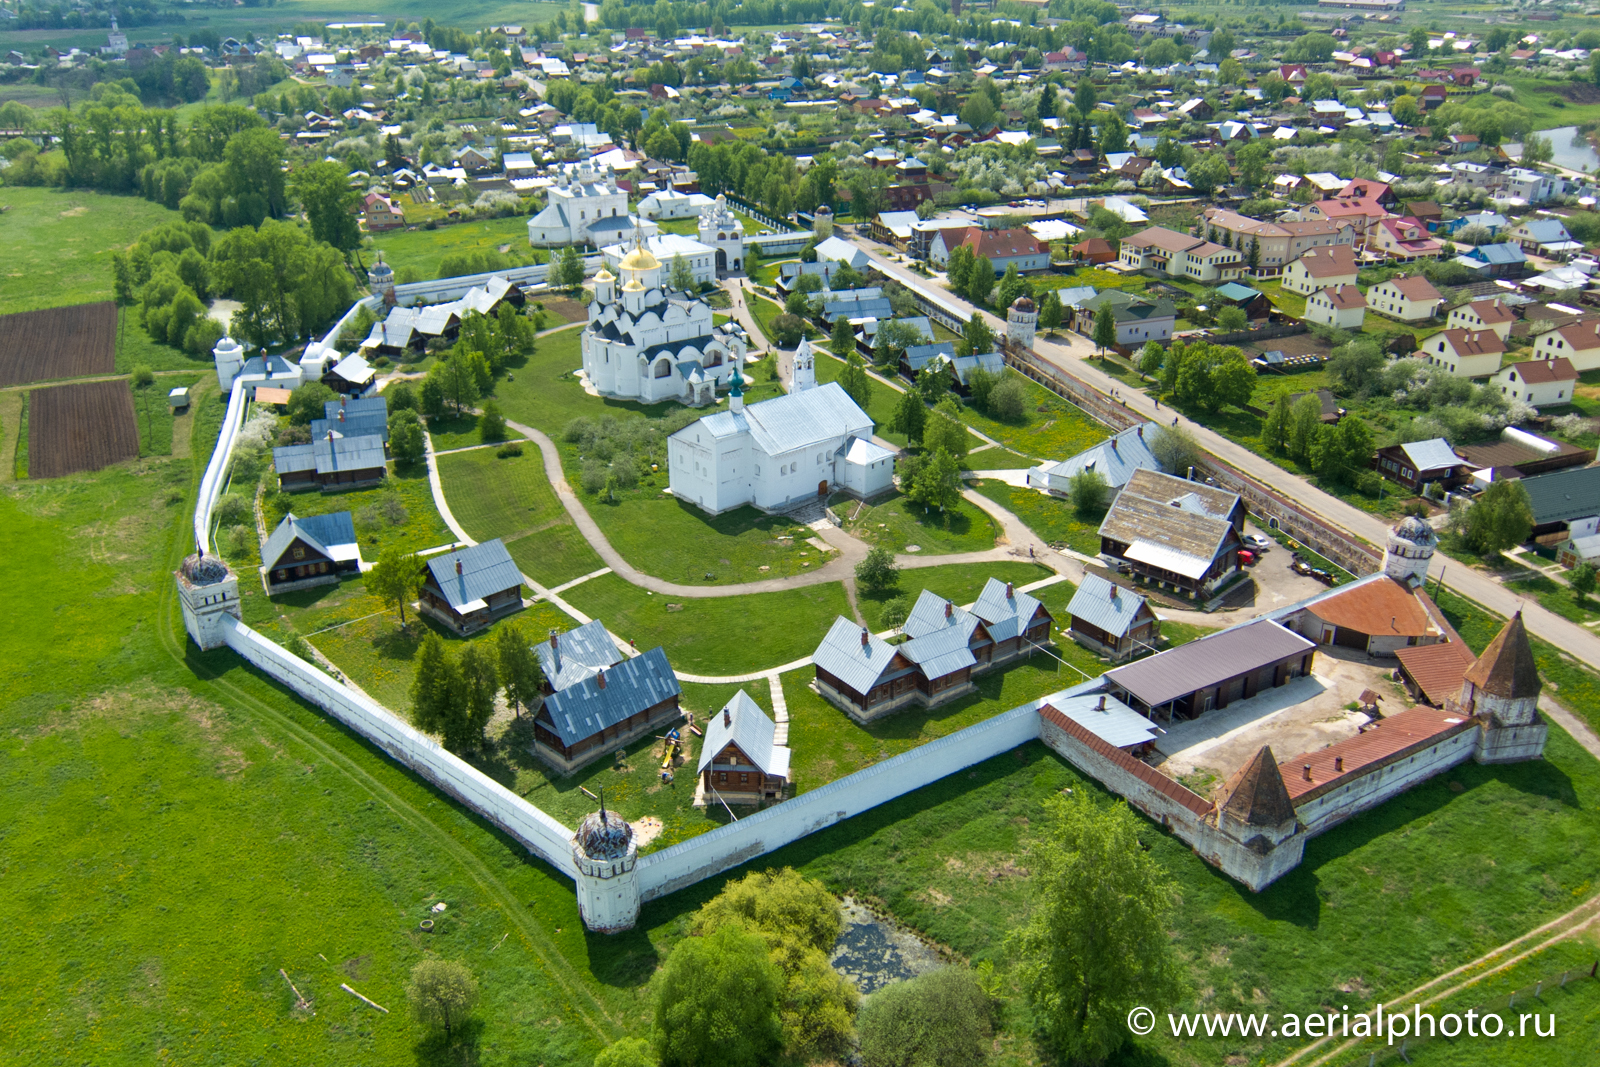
<point x="1265" y="333"/>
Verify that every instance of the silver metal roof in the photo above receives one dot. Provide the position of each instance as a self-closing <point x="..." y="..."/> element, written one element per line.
<point x="1094" y="604"/>
<point x="633" y="685"/>
<point x="292" y="459"/>
<point x="1431" y="455"/>
<point x="1005" y="616"/>
<point x="927" y="616"/>
<point x="486" y="569"/>
<point x="1107" y="718"/>
<point x="789" y="423"/>
<point x="345" y="454"/>
<point x="319" y="532"/>
<point x="1115" y="464"/>
<point x="577" y="654"/>
<point x="939" y="653"/>
<point x="842" y="655"/>
<point x="1197" y="665"/>
<point x="749" y="728"/>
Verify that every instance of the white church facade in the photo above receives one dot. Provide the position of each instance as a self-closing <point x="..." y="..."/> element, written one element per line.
<point x="779" y="453"/>
<point x="721" y="231"/>
<point x="586" y="208"/>
<point x="649" y="343"/>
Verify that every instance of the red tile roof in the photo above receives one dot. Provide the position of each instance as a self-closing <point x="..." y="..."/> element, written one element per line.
<point x="1344" y="297"/>
<point x="1473" y="342"/>
<point x="1437" y="669"/>
<point x="1384" y="608"/>
<point x="1139" y="769"/>
<point x="1002" y="244"/>
<point x="1334" y="261"/>
<point x="1537" y="371"/>
<point x="1413" y="287"/>
<point x="1384" y="742"/>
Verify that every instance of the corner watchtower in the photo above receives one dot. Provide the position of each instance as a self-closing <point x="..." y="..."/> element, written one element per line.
<point x="604" y="852"/>
<point x="208" y="590"/>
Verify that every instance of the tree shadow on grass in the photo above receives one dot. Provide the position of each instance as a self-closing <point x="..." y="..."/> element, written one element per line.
<point x="461" y="1050"/>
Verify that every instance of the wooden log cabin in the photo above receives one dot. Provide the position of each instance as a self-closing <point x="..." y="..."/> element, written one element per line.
<point x="472" y="587"/>
<point x="606" y="711"/>
<point x="740" y="759"/>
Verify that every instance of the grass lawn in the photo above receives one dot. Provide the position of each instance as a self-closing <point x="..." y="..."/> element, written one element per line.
<point x="423" y="250"/>
<point x="880" y="403"/>
<point x="136" y="348"/>
<point x="767" y="273"/>
<point x="60" y="243"/>
<point x="997" y="459"/>
<point x="896" y="523"/>
<point x="958" y="582"/>
<point x="718" y="635"/>
<point x="764" y="311"/>
<point x="153" y="415"/>
<point x="1052" y="518"/>
<point x="1050" y="427"/>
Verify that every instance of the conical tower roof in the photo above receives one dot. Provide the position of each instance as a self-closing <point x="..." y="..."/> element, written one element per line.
<point x="1506" y="668"/>
<point x="1256" y="795"/>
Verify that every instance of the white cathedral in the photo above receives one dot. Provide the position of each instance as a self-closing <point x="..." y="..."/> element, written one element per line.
<point x="586" y="208"/>
<point x="649" y="343"/>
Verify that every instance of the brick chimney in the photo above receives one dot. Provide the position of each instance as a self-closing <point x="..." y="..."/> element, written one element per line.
<point x="864" y="637"/>
<point x="458" y="566"/>
<point x="1338" y="764"/>
<point x="1009" y="593"/>
<point x="727" y="718"/>
<point x="1306" y="770"/>
<point x="949" y="609"/>
<point x="600" y="678"/>
<point x="1113" y="590"/>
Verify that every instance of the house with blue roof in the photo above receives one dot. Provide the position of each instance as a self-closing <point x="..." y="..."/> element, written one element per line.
<point x="606" y="711"/>
<point x="315" y="550"/>
<point x="1114" y="460"/>
<point x="1546" y="237"/>
<point x="741" y="759"/>
<point x="1503" y="260"/>
<point x="1111" y="620"/>
<point x="331" y="462"/>
<point x="469" y="588"/>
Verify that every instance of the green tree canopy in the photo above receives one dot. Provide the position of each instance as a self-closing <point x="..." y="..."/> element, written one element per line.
<point x="716" y="1001"/>
<point x="324" y="191"/>
<point x="1500" y="517"/>
<point x="878" y="571"/>
<point x="442" y="993"/>
<point x="939" y="1019"/>
<point x="910" y="415"/>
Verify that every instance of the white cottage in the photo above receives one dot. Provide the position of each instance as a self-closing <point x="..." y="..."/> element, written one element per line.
<point x="649" y="343"/>
<point x="778" y="453"/>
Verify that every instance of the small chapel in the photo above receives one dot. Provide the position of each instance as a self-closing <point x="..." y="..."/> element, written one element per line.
<point x="648" y="342"/>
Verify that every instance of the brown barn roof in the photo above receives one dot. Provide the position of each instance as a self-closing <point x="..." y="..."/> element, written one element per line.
<point x="1506" y="668"/>
<point x="1379" y="607"/>
<point x="1255" y="793"/>
<point x="1437" y="669"/>
<point x="1384" y="742"/>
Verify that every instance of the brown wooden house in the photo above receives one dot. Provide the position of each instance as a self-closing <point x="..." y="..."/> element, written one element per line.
<point x="472" y="587"/>
<point x="740" y="759"/>
<point x="606" y="711"/>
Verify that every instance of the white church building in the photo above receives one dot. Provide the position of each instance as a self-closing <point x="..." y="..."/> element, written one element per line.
<point x="721" y="231"/>
<point x="778" y="453"/>
<point x="585" y="208"/>
<point x="702" y="261"/>
<point x="647" y="342"/>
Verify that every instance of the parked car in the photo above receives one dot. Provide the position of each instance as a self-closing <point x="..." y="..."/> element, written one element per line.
<point x="1247" y="558"/>
<point x="1257" y="542"/>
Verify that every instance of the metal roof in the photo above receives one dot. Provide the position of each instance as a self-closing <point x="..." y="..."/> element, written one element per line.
<point x="842" y="655"/>
<point x="631" y="686"/>
<point x="349" y="454"/>
<point x="860" y="452"/>
<point x="1564" y="495"/>
<point x="1115" y="463"/>
<point x="928" y="616"/>
<point x="1387" y="739"/>
<point x="1435" y="454"/>
<point x="1005" y="616"/>
<point x="569" y="658"/>
<point x="1200" y="664"/>
<point x="355" y="406"/>
<point x="354" y="424"/>
<point x="1175" y="524"/>
<point x="789" y="423"/>
<point x="1437" y="669"/>
<point x="939" y="653"/>
<point x="1094" y="604"/>
<point x="743" y="723"/>
<point x="320" y="532"/>
<point x="292" y="459"/>
<point x="1107" y="718"/>
<point x="918" y="356"/>
<point x="485" y="569"/>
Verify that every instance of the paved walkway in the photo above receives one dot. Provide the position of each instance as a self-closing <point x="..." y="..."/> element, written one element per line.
<point x="1073" y="355"/>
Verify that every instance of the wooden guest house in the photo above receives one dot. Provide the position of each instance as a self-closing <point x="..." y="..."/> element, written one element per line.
<point x="1178" y="534"/>
<point x="472" y="587"/>
<point x="606" y="711"/>
<point x="1112" y="621"/>
<point x="331" y="463"/>
<point x="740" y="760"/>
<point x="307" y="552"/>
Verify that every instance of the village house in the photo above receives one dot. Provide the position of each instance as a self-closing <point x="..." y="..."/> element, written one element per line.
<point x="1179" y="255"/>
<point x="1319" y="268"/>
<point x="331" y="462"/>
<point x="352" y="376"/>
<point x="740" y="759"/>
<point x="1110" y="620"/>
<point x="1538" y="382"/>
<point x="1002" y="247"/>
<point x="1491" y="314"/>
<point x="379" y="213"/>
<point x="1178" y="534"/>
<point x="1278" y="243"/>
<point x="312" y="551"/>
<point x="1576" y="550"/>
<point x="1565" y="503"/>
<point x="1547" y="238"/>
<point x="469" y="588"/>
<point x="1378" y="615"/>
<point x="1418" y="463"/>
<point x="1409" y="298"/>
<point x="568" y="658"/>
<point x="1578" y="343"/>
<point x="1340" y="306"/>
<point x="1359" y="212"/>
<point x="1464" y="353"/>
<point x="606" y="710"/>
<point x="1139" y="319"/>
<point x="1403" y="240"/>
<point x="1114" y="460"/>
<point x="357" y="417"/>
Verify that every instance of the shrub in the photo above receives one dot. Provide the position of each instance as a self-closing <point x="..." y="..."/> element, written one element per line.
<point x="1008" y="400"/>
<point x="593" y="477"/>
<point x="895" y="612"/>
<point x="232" y="509"/>
<point x="939" y="1019"/>
<point x="491" y="424"/>
<point x="505" y="451"/>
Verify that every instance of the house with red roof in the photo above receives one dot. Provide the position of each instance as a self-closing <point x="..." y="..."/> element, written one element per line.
<point x="1002" y="247"/>
<point x="1464" y="353"/>
<point x="1539" y="382"/>
<point x="1405" y="240"/>
<point x="1360" y="211"/>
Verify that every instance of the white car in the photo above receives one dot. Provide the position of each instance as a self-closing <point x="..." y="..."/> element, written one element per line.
<point x="1257" y="542"/>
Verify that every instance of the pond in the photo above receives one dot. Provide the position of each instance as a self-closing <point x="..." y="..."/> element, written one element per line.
<point x="1572" y="149"/>
<point x="874" y="952"/>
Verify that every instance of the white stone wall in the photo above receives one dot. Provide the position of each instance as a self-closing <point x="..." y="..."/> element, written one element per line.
<point x="542" y="835"/>
<point x="1373" y="788"/>
<point x="727" y="846"/>
<point x="1511" y="744"/>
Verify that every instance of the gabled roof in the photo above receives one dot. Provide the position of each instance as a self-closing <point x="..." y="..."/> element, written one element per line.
<point x="1344" y="297"/>
<point x="939" y="652"/>
<point x="1331" y="261"/>
<point x="932" y="613"/>
<point x="1431" y="455"/>
<point x="1413" y="287"/>
<point x="1582" y="335"/>
<point x="1437" y="669"/>
<point x="1544" y="371"/>
<point x="1385" y="608"/>
<point x="1170" y="523"/>
<point x="1105" y="717"/>
<point x="1383" y="742"/>
<point x="569" y="658"/>
<point x="1113" y="462"/>
<point x="1102" y="604"/>
<point x="1506" y="668"/>
<point x="1473" y="342"/>
<point x="843" y="655"/>
<point x="332" y="535"/>
<point x="484" y="569"/>
<point x="1005" y="609"/>
<point x="1492" y="311"/>
<point x="1208" y="661"/>
<point x="590" y="706"/>
<point x="1545" y="231"/>
<point x="790" y="422"/>
<point x="1255" y="793"/>
<point x="1564" y="495"/>
<point x="742" y="723"/>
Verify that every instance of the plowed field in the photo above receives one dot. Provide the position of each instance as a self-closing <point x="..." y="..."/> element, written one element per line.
<point x="80" y="428"/>
<point x="65" y="342"/>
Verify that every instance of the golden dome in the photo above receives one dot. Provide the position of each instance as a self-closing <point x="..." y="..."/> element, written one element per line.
<point x="633" y="285"/>
<point x="605" y="276"/>
<point x="640" y="259"/>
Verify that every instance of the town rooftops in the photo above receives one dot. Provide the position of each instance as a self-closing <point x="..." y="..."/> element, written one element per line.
<point x="571" y="657"/>
<point x="1431" y="455"/>
<point x="999" y="244"/>
<point x="742" y="723"/>
<point x="328" y="456"/>
<point x="609" y="697"/>
<point x="1237" y="223"/>
<point x="1384" y="608"/>
<point x="1172" y="242"/>
<point x="1208" y="661"/>
<point x="1564" y="495"/>
<point x="1170" y="523"/>
<point x="1383" y="742"/>
<point x="1582" y="336"/>
<point x="786" y="423"/>
<point x="1330" y="261"/>
<point x="1413" y="287"/>
<point x="469" y="576"/>
<point x="1104" y="604"/>
<point x="1544" y="371"/>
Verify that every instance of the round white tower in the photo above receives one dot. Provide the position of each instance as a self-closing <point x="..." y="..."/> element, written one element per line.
<point x="230" y="361"/>
<point x="1021" y="320"/>
<point x="604" y="852"/>
<point x="822" y="223"/>
<point x="805" y="368"/>
<point x="208" y="590"/>
<point x="1411" y="546"/>
<point x="380" y="279"/>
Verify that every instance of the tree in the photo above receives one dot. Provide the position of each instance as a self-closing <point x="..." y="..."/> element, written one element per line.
<point x="843" y="338"/>
<point x="1048" y="105"/>
<point x="1210" y="174"/>
<point x="682" y="277"/>
<point x="1050" y="310"/>
<point x="570" y="271"/>
<point x="1176" y="449"/>
<point x="1353" y="367"/>
<point x="1105" y="329"/>
<point x="1087" y="489"/>
<point x="1275" y="427"/>
<point x="491" y="424"/>
<point x="459" y="378"/>
<point x="1304" y="420"/>
<point x="1008" y="400"/>
<point x="306" y="403"/>
<point x="854" y="381"/>
<point x="395" y="578"/>
<point x="1536" y="149"/>
<point x="1582" y="578"/>
<point x="980" y="279"/>
<point x="938" y="483"/>
<point x="939" y="1019"/>
<point x="1405" y="109"/>
<point x="1096" y="941"/>
<point x="787" y="329"/>
<point x="910" y="415"/>
<point x="1499" y="518"/>
<point x="933" y="381"/>
<point x="1232" y="319"/>
<point x="144" y="377"/>
<point x="945" y="431"/>
<point x="1113" y="134"/>
<point x="1151" y="356"/>
<point x="1012" y="285"/>
<point x="442" y="993"/>
<point x="430" y="397"/>
<point x="520" y="672"/>
<point x="716" y="1001"/>
<point x="437" y="705"/>
<point x="978" y="112"/>
<point x="980" y="384"/>
<point x="976" y="336"/>
<point x="878" y="570"/>
<point x="958" y="269"/>
<point x="894" y="612"/>
<point x="330" y="204"/>
<point x="628" y="1052"/>
<point x="479" y="684"/>
<point x="406" y="440"/>
<point x="1084" y="98"/>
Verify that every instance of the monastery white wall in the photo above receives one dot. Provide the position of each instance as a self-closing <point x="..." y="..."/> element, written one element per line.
<point x="1510" y="744"/>
<point x="216" y="474"/>
<point x="1372" y="788"/>
<point x="728" y="846"/>
<point x="541" y="834"/>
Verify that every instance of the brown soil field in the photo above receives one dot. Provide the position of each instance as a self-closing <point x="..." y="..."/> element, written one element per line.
<point x="65" y="342"/>
<point x="80" y="428"/>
